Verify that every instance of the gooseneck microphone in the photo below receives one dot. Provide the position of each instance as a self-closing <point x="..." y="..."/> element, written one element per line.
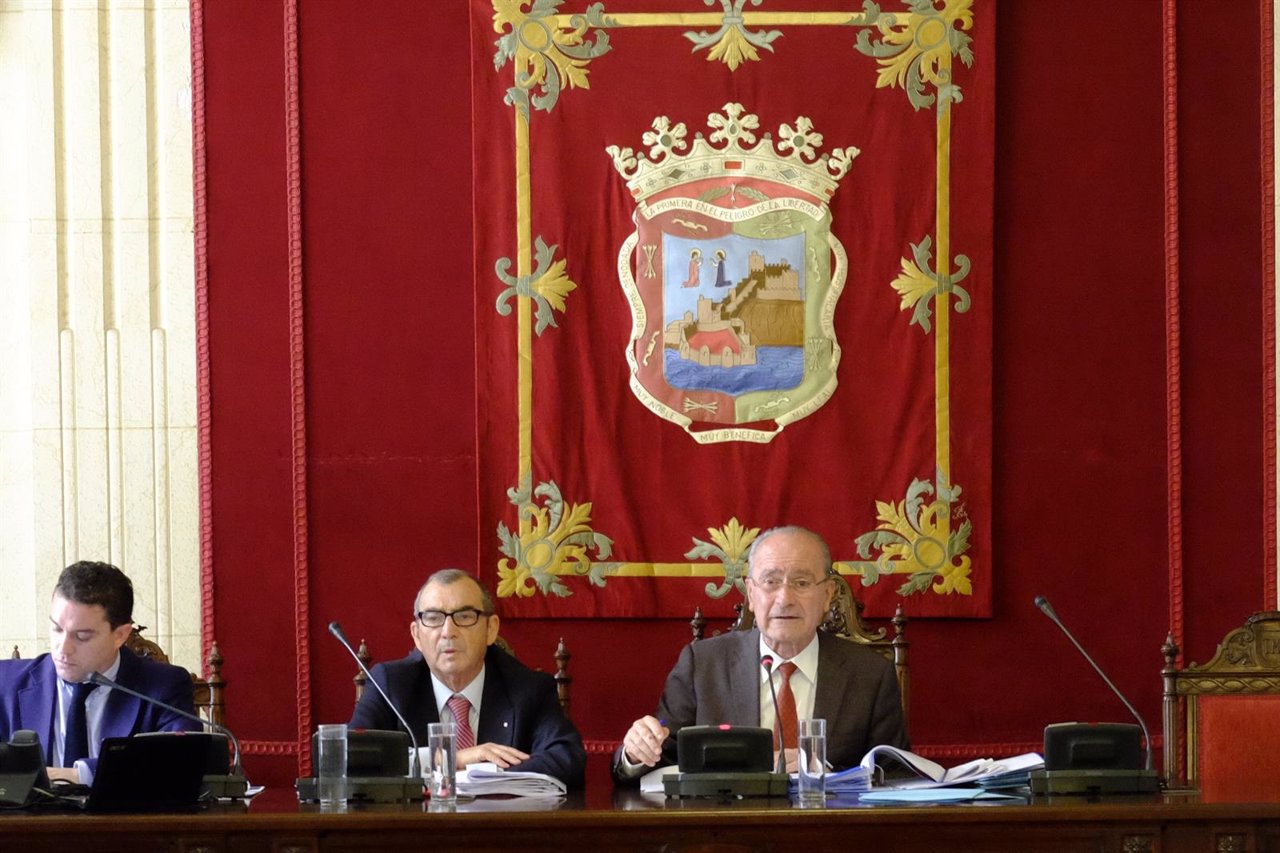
<point x="1047" y="609"/>
<point x="336" y="629"/>
<point x="781" y="764"/>
<point x="236" y="769"/>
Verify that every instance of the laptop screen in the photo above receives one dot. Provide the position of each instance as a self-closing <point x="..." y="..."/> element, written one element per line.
<point x="149" y="772"/>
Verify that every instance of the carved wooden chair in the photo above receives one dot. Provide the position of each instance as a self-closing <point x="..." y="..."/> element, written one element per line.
<point x="209" y="691"/>
<point x="1220" y="732"/>
<point x="562" y="678"/>
<point x="844" y="619"/>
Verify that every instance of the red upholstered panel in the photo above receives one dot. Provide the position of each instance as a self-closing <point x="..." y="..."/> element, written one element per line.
<point x="1240" y="748"/>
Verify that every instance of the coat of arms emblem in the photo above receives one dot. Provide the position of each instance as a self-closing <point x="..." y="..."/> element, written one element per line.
<point x="732" y="275"/>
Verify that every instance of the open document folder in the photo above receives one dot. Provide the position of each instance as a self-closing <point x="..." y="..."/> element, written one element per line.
<point x="930" y="774"/>
<point x="485" y="778"/>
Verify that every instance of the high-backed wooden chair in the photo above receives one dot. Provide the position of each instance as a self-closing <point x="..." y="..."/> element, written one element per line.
<point x="844" y="619"/>
<point x="1220" y="719"/>
<point x="209" y="691"/>
<point x="562" y="678"/>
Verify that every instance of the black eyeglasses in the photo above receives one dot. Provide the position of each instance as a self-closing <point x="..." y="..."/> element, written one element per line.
<point x="464" y="618"/>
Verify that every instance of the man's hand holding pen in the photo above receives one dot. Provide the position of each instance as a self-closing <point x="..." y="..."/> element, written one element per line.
<point x="643" y="741"/>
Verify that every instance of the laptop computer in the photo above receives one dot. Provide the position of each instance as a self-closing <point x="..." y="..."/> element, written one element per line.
<point x="158" y="772"/>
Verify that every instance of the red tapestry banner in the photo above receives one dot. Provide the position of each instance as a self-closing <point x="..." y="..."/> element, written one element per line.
<point x="733" y="266"/>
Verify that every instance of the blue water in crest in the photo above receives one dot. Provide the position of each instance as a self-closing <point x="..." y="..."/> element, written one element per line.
<point x="776" y="369"/>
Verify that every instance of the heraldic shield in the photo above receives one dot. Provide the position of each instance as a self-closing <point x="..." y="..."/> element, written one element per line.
<point x="732" y="275"/>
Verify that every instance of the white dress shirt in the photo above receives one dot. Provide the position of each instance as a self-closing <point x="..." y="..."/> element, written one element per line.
<point x="804" y="682"/>
<point x="472" y="692"/>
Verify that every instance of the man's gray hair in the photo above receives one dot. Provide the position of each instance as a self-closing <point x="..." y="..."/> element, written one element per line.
<point x="795" y="530"/>
<point x="448" y="577"/>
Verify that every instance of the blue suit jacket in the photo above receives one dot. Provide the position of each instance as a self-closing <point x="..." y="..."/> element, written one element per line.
<point x="519" y="708"/>
<point x="29" y="699"/>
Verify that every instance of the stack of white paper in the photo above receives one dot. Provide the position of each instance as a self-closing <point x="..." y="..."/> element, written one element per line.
<point x="654" y="781"/>
<point x="485" y="778"/>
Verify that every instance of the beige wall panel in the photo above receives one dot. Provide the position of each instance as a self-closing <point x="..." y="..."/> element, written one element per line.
<point x="97" y="383"/>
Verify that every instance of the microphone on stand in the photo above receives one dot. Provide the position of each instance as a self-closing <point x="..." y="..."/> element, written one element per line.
<point x="415" y="767"/>
<point x="234" y="784"/>
<point x="1047" y="609"/>
<point x="781" y="765"/>
<point x="1091" y="753"/>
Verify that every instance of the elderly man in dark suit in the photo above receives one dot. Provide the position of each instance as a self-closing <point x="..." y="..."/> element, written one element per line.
<point x="816" y="675"/>
<point x="91" y="617"/>
<point x="504" y="712"/>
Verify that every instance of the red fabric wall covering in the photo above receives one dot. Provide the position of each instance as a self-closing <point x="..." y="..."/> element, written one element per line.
<point x="250" y="433"/>
<point x="1222" y="276"/>
<point x="1080" y="486"/>
<point x="1079" y="481"/>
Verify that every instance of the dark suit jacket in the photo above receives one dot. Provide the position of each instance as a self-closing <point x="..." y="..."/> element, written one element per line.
<point x="519" y="708"/>
<point x="718" y="681"/>
<point x="29" y="699"/>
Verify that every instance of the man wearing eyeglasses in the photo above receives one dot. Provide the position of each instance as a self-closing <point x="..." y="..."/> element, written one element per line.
<point x="503" y="711"/>
<point x="816" y="675"/>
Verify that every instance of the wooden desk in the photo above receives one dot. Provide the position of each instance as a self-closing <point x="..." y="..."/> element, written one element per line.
<point x="627" y="822"/>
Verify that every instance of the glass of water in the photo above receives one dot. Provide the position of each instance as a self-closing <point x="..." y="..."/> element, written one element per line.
<point x="441" y="761"/>
<point x="331" y="766"/>
<point x="811" y="764"/>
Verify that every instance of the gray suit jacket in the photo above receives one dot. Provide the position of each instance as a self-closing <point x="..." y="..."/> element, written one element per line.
<point x="718" y="681"/>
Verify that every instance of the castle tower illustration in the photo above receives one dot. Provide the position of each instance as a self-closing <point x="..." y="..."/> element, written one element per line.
<point x="765" y="308"/>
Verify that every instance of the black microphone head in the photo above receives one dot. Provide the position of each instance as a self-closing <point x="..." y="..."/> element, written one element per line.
<point x="767" y="662"/>
<point x="336" y="630"/>
<point x="1045" y="606"/>
<point x="97" y="678"/>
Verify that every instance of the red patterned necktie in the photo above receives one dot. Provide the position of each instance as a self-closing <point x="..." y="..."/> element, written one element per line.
<point x="461" y="710"/>
<point x="787" y="720"/>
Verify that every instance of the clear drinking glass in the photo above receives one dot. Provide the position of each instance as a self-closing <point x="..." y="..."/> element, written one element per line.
<point x="811" y="764"/>
<point x="331" y="766"/>
<point x="441" y="759"/>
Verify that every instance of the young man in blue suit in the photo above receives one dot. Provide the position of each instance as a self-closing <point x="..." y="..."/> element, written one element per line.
<point x="91" y="616"/>
<point x="504" y="712"/>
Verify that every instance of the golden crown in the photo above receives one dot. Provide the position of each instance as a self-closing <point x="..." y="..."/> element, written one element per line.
<point x="732" y="150"/>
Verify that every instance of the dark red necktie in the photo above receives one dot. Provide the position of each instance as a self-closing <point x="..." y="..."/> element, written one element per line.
<point x="461" y="710"/>
<point x="787" y="719"/>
